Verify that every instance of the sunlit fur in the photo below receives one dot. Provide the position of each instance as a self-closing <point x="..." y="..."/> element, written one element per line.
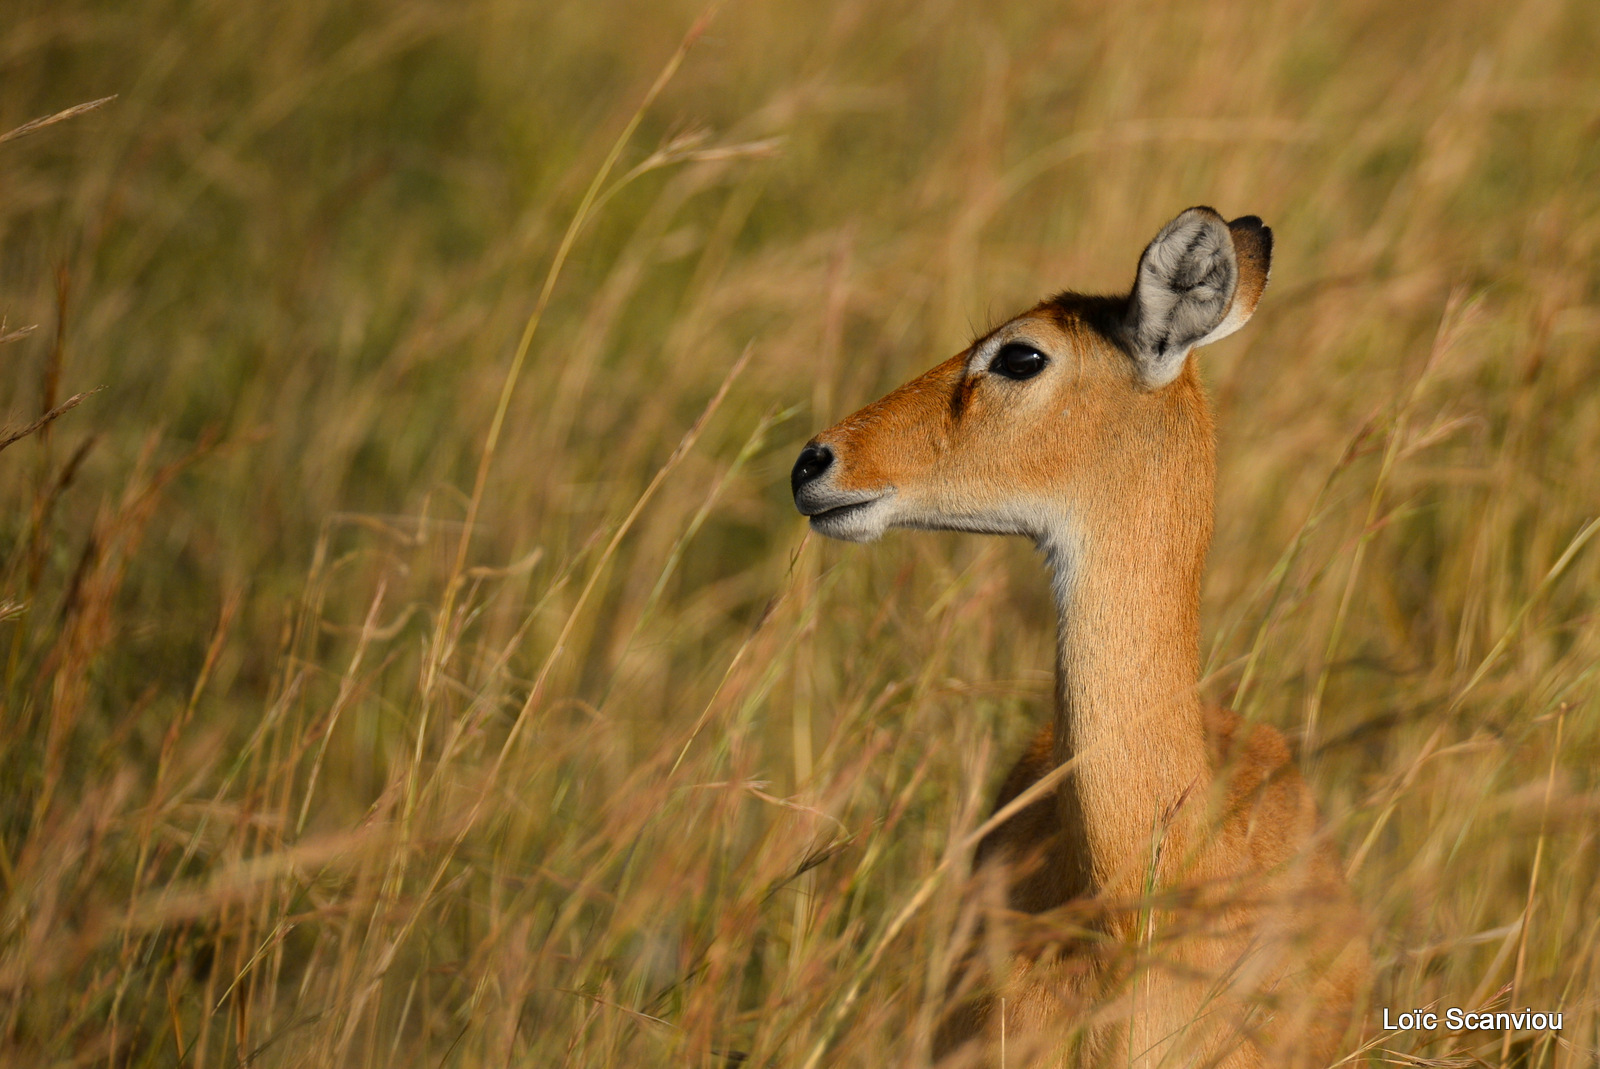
<point x="1254" y="954"/>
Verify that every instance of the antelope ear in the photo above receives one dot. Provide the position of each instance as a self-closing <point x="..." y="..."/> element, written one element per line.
<point x="1198" y="281"/>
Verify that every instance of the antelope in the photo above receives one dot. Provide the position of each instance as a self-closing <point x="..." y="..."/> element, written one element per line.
<point x="1210" y="922"/>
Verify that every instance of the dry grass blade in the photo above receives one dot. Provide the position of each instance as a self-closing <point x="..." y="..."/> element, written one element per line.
<point x="35" y="125"/>
<point x="16" y="335"/>
<point x="1463" y="1061"/>
<point x="8" y="438"/>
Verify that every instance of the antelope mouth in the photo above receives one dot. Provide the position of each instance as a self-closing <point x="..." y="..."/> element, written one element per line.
<point x="857" y="518"/>
<point x="816" y="506"/>
<point x="839" y="512"/>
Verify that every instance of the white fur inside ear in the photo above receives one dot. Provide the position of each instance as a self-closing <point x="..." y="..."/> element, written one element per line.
<point x="1183" y="293"/>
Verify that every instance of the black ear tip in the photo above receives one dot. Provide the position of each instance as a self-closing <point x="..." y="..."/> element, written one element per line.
<point x="1252" y="225"/>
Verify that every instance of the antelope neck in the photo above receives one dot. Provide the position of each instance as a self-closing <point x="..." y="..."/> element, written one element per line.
<point x="1127" y="710"/>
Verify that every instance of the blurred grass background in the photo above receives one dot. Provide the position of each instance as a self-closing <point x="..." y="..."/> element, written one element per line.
<point x="290" y="774"/>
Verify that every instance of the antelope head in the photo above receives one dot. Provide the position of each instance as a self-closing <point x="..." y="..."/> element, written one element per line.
<point x="1081" y="413"/>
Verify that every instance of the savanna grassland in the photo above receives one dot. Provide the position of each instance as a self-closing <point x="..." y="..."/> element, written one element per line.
<point x="412" y="656"/>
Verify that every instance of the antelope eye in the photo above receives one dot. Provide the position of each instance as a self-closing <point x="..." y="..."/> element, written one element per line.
<point x="1018" y="361"/>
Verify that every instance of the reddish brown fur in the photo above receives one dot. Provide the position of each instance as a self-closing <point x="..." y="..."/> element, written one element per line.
<point x="1165" y="797"/>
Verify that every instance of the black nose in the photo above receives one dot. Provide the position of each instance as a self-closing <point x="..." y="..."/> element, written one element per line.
<point x="814" y="460"/>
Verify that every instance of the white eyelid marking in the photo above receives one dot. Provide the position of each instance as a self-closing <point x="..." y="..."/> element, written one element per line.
<point x="983" y="355"/>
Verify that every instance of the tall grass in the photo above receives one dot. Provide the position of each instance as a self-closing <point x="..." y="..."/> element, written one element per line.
<point x="298" y="768"/>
